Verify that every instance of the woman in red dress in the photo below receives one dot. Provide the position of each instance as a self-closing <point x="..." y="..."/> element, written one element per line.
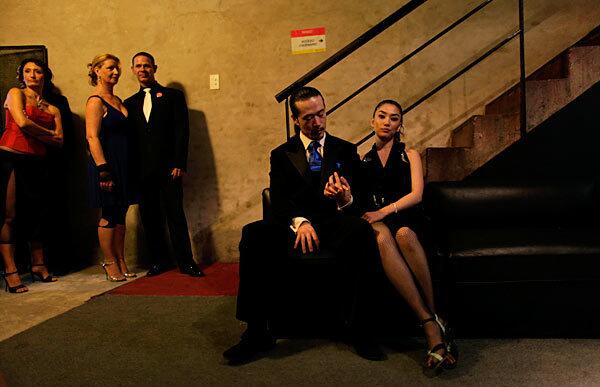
<point x="31" y="125"/>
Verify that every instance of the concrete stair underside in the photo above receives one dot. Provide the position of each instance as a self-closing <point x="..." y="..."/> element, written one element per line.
<point x="482" y="137"/>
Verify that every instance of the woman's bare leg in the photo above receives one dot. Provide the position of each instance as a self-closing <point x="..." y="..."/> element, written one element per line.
<point x="106" y="237"/>
<point x="37" y="259"/>
<point x="120" y="247"/>
<point x="402" y="278"/>
<point x="413" y="252"/>
<point x="7" y="243"/>
<point x="398" y="271"/>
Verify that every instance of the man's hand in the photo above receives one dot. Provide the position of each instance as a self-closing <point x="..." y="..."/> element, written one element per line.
<point x="307" y="237"/>
<point x="373" y="216"/>
<point x="338" y="188"/>
<point x="177" y="173"/>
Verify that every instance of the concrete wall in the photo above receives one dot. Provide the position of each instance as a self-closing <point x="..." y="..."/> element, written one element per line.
<point x="247" y="43"/>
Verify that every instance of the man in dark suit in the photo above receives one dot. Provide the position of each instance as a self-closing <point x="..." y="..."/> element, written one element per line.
<point x="310" y="186"/>
<point x="159" y="117"/>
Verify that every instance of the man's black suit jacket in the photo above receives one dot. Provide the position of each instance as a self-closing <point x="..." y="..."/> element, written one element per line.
<point x="293" y="192"/>
<point x="162" y="143"/>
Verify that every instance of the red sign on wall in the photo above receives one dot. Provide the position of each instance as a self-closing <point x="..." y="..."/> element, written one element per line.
<point x="308" y="40"/>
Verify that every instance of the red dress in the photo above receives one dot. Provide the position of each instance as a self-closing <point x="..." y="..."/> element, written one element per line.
<point x="14" y="138"/>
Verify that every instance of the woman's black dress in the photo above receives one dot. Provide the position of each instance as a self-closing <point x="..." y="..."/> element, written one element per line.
<point x="114" y="138"/>
<point x="385" y="185"/>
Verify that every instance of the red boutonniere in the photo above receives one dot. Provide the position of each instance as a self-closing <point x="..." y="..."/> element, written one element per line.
<point x="158" y="95"/>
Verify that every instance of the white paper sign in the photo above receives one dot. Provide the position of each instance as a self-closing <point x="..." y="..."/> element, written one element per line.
<point x="308" y="40"/>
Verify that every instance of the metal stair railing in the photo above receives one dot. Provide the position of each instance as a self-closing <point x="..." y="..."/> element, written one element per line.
<point x="388" y="22"/>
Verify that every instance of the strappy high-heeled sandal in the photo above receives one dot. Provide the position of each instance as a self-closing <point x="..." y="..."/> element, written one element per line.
<point x="127" y="274"/>
<point x="441" y="361"/>
<point x="14" y="289"/>
<point x="448" y="337"/>
<point x="110" y="277"/>
<point x="48" y="278"/>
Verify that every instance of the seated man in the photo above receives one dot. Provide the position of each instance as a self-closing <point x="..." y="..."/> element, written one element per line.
<point x="313" y="207"/>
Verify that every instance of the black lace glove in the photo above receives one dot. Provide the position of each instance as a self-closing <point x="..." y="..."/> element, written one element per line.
<point x="104" y="173"/>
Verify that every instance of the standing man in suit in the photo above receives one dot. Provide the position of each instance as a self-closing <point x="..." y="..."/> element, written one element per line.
<point x="312" y="202"/>
<point x="159" y="117"/>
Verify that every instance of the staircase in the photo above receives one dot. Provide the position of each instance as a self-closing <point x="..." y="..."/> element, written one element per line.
<point x="550" y="88"/>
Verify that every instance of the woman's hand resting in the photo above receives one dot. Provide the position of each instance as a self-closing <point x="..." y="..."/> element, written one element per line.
<point x="373" y="216"/>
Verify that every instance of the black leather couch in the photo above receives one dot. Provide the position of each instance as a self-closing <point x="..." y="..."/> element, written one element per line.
<point x="518" y="259"/>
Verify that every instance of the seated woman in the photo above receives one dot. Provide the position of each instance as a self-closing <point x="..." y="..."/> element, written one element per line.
<point x="393" y="187"/>
<point x="108" y="172"/>
<point x="31" y="125"/>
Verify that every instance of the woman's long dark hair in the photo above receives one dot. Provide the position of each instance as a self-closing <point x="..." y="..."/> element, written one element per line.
<point x="48" y="87"/>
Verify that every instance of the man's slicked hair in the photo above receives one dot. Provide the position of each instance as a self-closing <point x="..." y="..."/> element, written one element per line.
<point x="302" y="94"/>
<point x="144" y="53"/>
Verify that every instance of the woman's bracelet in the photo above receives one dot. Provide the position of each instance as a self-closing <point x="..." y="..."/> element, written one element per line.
<point x="395" y="208"/>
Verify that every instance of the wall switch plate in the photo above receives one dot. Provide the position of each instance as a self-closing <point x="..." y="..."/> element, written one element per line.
<point x="213" y="82"/>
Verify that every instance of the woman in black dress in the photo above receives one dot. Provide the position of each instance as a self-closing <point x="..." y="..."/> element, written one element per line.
<point x="393" y="180"/>
<point x="108" y="180"/>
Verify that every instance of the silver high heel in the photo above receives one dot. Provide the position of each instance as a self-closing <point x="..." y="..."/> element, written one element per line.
<point x="110" y="277"/>
<point x="127" y="274"/>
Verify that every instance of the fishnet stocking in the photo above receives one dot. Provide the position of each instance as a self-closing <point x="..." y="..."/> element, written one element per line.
<point x="415" y="257"/>
<point x="403" y="260"/>
<point x="398" y="271"/>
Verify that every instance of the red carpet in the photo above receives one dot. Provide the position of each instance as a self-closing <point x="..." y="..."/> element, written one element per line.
<point x="221" y="280"/>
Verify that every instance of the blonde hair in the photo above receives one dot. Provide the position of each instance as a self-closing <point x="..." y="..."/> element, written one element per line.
<point x="97" y="62"/>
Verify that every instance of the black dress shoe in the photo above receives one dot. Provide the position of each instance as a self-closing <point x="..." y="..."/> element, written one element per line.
<point x="157" y="269"/>
<point x="368" y="349"/>
<point x="191" y="270"/>
<point x="249" y="346"/>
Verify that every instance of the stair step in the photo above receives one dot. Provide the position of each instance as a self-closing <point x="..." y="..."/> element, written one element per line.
<point x="489" y="135"/>
<point x="482" y="137"/>
<point x="557" y="68"/>
<point x="506" y="103"/>
<point x="545" y="98"/>
<point x="495" y="129"/>
<point x="584" y="68"/>
<point x="462" y="136"/>
<point x="591" y="39"/>
<point x="492" y="134"/>
<point x="579" y="63"/>
<point x="443" y="164"/>
<point x="480" y="130"/>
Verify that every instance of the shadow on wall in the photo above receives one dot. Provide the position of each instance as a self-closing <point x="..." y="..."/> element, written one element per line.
<point x="71" y="225"/>
<point x="202" y="191"/>
<point x="200" y="187"/>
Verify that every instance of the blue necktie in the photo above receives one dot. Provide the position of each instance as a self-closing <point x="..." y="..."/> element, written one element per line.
<point x="314" y="157"/>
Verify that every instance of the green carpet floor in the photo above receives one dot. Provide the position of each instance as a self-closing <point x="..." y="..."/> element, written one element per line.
<point x="178" y="341"/>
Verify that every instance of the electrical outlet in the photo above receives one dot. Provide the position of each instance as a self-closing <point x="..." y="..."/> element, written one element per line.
<point x="213" y="82"/>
